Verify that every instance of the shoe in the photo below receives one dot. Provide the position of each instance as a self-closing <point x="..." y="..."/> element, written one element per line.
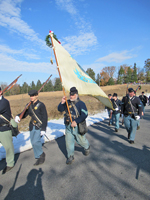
<point x="87" y="151"/>
<point x="40" y="160"/>
<point x="138" y="127"/>
<point x="131" y="142"/>
<point x="108" y="123"/>
<point x="6" y="169"/>
<point x="116" y="130"/>
<point x="70" y="160"/>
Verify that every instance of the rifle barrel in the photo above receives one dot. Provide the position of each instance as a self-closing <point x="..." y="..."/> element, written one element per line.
<point x="27" y="106"/>
<point x="11" y="85"/>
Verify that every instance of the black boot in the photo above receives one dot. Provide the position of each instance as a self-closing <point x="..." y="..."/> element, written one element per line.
<point x="70" y="160"/>
<point x="41" y="159"/>
<point x="6" y="169"/>
<point x="131" y="142"/>
<point x="87" y="151"/>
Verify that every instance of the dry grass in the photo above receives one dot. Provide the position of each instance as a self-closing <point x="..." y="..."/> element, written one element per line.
<point x="52" y="99"/>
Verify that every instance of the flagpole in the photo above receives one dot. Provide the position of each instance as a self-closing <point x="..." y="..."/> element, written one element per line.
<point x="60" y="76"/>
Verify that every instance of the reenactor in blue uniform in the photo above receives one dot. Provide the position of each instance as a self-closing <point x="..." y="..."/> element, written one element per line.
<point x="132" y="110"/>
<point x="143" y="100"/>
<point x="109" y="110"/>
<point x="6" y="133"/>
<point x="37" y="126"/>
<point x="117" y="110"/>
<point x="78" y="113"/>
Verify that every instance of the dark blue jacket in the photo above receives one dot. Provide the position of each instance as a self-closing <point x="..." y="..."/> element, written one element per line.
<point x="136" y="107"/>
<point x="40" y="111"/>
<point x="143" y="99"/>
<point x="81" y="107"/>
<point x="6" y="112"/>
<point x="116" y="104"/>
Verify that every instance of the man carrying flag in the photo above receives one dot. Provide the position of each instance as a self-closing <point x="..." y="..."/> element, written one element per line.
<point x="72" y="132"/>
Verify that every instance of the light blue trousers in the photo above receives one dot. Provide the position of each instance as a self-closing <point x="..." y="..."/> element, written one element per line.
<point x="112" y="119"/>
<point x="71" y="136"/>
<point x="116" y="117"/>
<point x="131" y="126"/>
<point x="35" y="138"/>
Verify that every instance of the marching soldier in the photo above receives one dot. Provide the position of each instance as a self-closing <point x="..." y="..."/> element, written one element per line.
<point x="132" y="110"/>
<point x="37" y="126"/>
<point x="109" y="112"/>
<point x="116" y="112"/>
<point x="144" y="101"/>
<point x="72" y="132"/>
<point x="6" y="133"/>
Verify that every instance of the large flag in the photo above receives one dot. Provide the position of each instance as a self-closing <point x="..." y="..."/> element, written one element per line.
<point x="73" y="75"/>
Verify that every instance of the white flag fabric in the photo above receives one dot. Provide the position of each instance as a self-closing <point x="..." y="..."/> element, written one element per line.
<point x="73" y="75"/>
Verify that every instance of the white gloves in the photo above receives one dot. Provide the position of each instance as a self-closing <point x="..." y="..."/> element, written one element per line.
<point x="116" y="109"/>
<point x="137" y="117"/>
<point x="105" y="110"/>
<point x="42" y="133"/>
<point x="17" y="119"/>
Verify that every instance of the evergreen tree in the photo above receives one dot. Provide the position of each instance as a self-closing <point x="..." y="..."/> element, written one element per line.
<point x="91" y="73"/>
<point x="98" y="79"/>
<point x="121" y="76"/>
<point x="32" y="86"/>
<point x="49" y="86"/>
<point x="111" y="81"/>
<point x="129" y="75"/>
<point x="57" y="85"/>
<point x="134" y="74"/>
<point x="24" y="88"/>
<point x="147" y="65"/>
<point x="38" y="85"/>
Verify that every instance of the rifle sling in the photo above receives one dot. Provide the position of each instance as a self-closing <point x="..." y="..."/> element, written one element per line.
<point x="6" y="123"/>
<point x="36" y="122"/>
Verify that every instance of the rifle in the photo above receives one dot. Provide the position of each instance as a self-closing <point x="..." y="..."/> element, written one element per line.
<point x="27" y="106"/>
<point x="139" y="87"/>
<point x="110" y="115"/>
<point x="11" y="85"/>
<point x="126" y="94"/>
<point x="127" y="90"/>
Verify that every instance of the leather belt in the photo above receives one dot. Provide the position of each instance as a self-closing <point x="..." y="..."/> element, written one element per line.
<point x="1" y="125"/>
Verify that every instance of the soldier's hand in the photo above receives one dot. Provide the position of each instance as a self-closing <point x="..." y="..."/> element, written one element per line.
<point x="17" y="119"/>
<point x="63" y="100"/>
<point x="137" y="117"/>
<point x="42" y="133"/>
<point x="73" y="124"/>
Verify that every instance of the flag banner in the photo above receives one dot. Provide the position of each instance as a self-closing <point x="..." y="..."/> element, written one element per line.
<point x="73" y="75"/>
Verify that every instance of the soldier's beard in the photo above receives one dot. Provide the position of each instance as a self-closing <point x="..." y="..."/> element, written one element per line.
<point x="74" y="99"/>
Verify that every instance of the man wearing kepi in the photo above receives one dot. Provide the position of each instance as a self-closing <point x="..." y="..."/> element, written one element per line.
<point x="116" y="112"/>
<point x="37" y="126"/>
<point x="6" y="133"/>
<point x="78" y="113"/>
<point x="132" y="110"/>
<point x="143" y="100"/>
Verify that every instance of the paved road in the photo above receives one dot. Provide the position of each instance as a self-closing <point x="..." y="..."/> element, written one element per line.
<point x="114" y="169"/>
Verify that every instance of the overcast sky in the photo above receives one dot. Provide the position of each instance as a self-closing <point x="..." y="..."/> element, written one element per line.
<point x="96" y="33"/>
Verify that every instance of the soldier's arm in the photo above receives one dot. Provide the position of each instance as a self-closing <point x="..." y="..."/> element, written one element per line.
<point x="83" y="112"/>
<point x="44" y="117"/>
